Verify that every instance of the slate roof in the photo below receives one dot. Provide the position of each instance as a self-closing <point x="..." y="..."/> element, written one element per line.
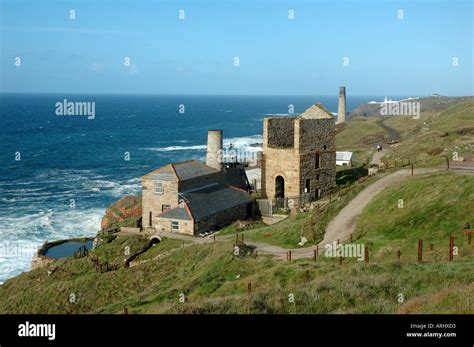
<point x="210" y="199"/>
<point x="180" y="171"/>
<point x="176" y="213"/>
<point x="192" y="168"/>
<point x="236" y="177"/>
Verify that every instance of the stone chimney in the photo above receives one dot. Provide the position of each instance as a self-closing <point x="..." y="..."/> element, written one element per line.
<point x="341" y="112"/>
<point x="214" y="149"/>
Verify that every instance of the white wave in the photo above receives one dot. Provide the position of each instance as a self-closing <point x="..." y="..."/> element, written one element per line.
<point x="175" y="148"/>
<point x="246" y="143"/>
<point x="20" y="237"/>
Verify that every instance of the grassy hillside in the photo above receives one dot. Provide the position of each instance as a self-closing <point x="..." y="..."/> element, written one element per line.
<point x="214" y="281"/>
<point x="437" y="134"/>
<point x="445" y="126"/>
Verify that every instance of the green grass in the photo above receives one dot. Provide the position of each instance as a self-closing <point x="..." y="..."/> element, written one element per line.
<point x="446" y="131"/>
<point x="435" y="207"/>
<point x="357" y="131"/>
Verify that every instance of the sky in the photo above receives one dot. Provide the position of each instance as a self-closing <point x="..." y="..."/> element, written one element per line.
<point x="373" y="47"/>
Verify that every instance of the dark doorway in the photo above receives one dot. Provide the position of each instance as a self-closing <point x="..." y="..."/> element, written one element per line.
<point x="318" y="193"/>
<point x="149" y="219"/>
<point x="249" y="211"/>
<point x="279" y="187"/>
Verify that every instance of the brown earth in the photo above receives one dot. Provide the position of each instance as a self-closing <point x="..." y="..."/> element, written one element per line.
<point x="129" y="206"/>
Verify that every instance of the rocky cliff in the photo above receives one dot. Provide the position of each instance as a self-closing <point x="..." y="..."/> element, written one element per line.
<point x="125" y="212"/>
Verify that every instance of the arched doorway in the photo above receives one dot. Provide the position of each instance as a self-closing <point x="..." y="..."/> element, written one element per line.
<point x="279" y="187"/>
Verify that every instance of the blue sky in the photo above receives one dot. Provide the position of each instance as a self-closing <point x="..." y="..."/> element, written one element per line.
<point x="277" y="55"/>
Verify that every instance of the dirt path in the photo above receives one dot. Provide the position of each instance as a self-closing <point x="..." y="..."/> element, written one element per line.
<point x="345" y="222"/>
<point x="393" y="135"/>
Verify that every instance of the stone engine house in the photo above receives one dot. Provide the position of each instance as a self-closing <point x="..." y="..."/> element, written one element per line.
<point x="299" y="154"/>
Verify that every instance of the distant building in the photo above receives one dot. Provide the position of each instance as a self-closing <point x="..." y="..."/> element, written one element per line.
<point x="344" y="158"/>
<point x="299" y="154"/>
<point x="191" y="198"/>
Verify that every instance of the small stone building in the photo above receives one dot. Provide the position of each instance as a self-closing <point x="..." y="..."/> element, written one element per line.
<point x="191" y="197"/>
<point x="299" y="154"/>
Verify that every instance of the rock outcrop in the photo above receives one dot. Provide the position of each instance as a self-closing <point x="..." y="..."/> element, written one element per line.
<point x="125" y="212"/>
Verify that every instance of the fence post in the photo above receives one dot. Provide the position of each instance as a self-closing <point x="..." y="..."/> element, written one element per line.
<point x="351" y="237"/>
<point x="314" y="254"/>
<point x="398" y="256"/>
<point x="412" y="169"/>
<point x="125" y="310"/>
<point x="289" y="255"/>
<point x="420" y="251"/>
<point x="451" y="246"/>
<point x="447" y="162"/>
<point x="431" y="247"/>
<point x="366" y="255"/>
<point x="249" y="287"/>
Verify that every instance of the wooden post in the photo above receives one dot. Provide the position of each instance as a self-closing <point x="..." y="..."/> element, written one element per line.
<point x="431" y="247"/>
<point x="307" y="276"/>
<point x="214" y="238"/>
<point x="420" y="251"/>
<point x="351" y="237"/>
<point x="314" y="254"/>
<point x="447" y="162"/>
<point x="451" y="246"/>
<point x="412" y="169"/>
<point x="249" y="287"/>
<point x="366" y="255"/>
<point x="125" y="310"/>
<point x="398" y="256"/>
<point x="289" y="255"/>
<point x="237" y="238"/>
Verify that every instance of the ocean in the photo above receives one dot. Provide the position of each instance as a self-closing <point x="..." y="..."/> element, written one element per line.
<point x="58" y="173"/>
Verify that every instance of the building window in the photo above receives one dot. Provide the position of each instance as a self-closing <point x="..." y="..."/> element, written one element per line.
<point x="318" y="161"/>
<point x="165" y="208"/>
<point x="307" y="188"/>
<point x="174" y="225"/>
<point x="325" y="147"/>
<point x="159" y="188"/>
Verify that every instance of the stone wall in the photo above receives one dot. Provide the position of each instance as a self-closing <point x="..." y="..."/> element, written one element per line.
<point x="284" y="163"/>
<point x="279" y="132"/>
<point x="153" y="202"/>
<point x="222" y="218"/>
<point x="317" y="137"/>
<point x="185" y="226"/>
